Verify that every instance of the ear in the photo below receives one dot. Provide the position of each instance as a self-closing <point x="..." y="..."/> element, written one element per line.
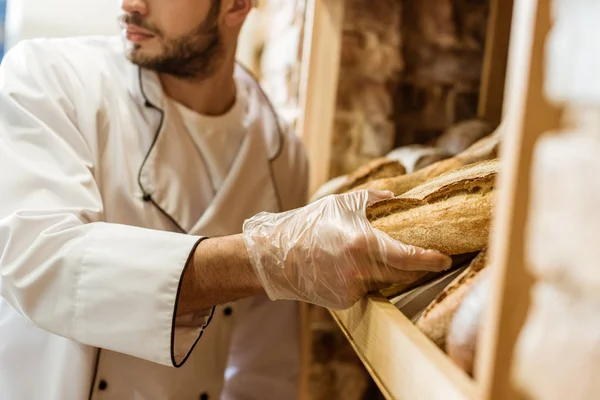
<point x="237" y="12"/>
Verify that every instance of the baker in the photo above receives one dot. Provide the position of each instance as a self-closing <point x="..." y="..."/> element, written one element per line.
<point x="147" y="247"/>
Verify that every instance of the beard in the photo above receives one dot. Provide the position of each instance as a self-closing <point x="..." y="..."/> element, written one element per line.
<point x="195" y="55"/>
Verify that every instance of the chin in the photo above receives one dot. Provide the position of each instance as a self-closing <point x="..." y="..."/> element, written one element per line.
<point x="138" y="54"/>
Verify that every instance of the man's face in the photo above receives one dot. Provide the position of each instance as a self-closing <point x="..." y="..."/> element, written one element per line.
<point x="176" y="37"/>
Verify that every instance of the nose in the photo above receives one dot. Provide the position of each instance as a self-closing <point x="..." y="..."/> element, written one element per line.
<point x="134" y="6"/>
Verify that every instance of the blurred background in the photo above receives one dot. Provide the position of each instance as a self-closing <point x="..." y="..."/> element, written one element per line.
<point x="2" y="30"/>
<point x="26" y="19"/>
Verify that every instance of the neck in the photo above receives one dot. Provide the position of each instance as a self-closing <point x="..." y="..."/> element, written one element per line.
<point x="210" y="96"/>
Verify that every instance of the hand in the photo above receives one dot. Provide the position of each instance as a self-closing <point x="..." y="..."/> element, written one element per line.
<point x="328" y="254"/>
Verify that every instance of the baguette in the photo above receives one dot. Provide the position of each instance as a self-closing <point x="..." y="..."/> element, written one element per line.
<point x="484" y="149"/>
<point x="416" y="156"/>
<point x="461" y="342"/>
<point x="402" y="184"/>
<point x="461" y="136"/>
<point x="436" y="319"/>
<point x="380" y="168"/>
<point x="450" y="214"/>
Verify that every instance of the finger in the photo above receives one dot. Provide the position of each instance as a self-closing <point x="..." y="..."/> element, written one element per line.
<point x="412" y="258"/>
<point x="394" y="276"/>
<point x="378" y="195"/>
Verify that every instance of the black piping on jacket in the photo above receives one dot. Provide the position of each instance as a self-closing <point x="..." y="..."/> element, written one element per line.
<point x="148" y="197"/>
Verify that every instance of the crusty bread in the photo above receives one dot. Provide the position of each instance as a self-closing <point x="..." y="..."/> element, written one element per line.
<point x="461" y="341"/>
<point x="484" y="149"/>
<point x="380" y="168"/>
<point x="437" y="317"/>
<point x="403" y="183"/>
<point x="415" y="157"/>
<point x="451" y="213"/>
<point x="462" y="135"/>
<point x="330" y="187"/>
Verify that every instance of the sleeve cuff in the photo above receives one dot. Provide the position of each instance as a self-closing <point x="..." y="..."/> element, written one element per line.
<point x="126" y="292"/>
<point x="187" y="330"/>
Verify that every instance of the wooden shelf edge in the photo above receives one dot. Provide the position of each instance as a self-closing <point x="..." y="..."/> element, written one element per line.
<point x="404" y="363"/>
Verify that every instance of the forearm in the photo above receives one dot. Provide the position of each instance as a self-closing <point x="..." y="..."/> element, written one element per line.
<point x="219" y="272"/>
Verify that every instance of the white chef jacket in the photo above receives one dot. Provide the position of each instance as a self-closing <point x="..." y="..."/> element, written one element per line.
<point x="98" y="183"/>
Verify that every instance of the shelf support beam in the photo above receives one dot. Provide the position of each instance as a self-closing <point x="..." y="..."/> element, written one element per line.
<point x="319" y="82"/>
<point x="528" y="116"/>
<point x="495" y="61"/>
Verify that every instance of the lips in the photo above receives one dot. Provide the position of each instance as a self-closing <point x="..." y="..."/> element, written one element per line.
<point x="137" y="35"/>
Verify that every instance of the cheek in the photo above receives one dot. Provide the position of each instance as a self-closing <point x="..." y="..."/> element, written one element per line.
<point x="182" y="17"/>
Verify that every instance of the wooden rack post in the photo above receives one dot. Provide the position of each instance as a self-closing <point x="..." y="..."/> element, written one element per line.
<point x="318" y="83"/>
<point x="495" y="61"/>
<point x="528" y="116"/>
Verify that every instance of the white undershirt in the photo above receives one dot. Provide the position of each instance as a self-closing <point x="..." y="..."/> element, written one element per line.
<point x="218" y="138"/>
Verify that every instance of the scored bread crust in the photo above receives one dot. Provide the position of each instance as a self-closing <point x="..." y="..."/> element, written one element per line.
<point x="380" y="168"/>
<point x="403" y="183"/>
<point x="482" y="150"/>
<point x="436" y="319"/>
<point x="451" y="213"/>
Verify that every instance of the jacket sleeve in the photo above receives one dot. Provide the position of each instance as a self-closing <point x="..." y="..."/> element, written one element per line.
<point x="61" y="267"/>
<point x="264" y="361"/>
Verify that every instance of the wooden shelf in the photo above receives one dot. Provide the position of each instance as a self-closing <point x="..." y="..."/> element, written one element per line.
<point x="402" y="360"/>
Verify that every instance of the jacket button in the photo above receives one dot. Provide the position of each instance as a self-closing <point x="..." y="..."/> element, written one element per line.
<point x="228" y="311"/>
<point x="204" y="396"/>
<point x="102" y="385"/>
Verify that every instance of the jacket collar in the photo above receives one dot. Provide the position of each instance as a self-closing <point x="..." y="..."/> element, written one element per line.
<point x="176" y="184"/>
<point x="146" y="89"/>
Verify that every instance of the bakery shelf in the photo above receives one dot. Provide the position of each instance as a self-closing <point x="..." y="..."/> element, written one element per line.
<point x="402" y="360"/>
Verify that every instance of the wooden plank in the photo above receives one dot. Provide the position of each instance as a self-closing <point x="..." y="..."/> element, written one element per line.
<point x="528" y="116"/>
<point x="404" y="363"/>
<point x="305" y="352"/>
<point x="493" y="78"/>
<point x="319" y="82"/>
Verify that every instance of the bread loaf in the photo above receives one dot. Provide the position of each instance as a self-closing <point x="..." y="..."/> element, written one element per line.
<point x="376" y="169"/>
<point x="436" y="319"/>
<point x="485" y="149"/>
<point x="461" y="136"/>
<point x="330" y="187"/>
<point x="451" y="213"/>
<point x="461" y="342"/>
<point x="404" y="183"/>
<point x="416" y="157"/>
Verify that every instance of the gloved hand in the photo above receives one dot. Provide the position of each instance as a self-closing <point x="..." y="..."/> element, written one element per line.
<point x="328" y="254"/>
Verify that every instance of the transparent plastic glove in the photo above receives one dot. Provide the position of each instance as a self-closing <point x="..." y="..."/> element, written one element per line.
<point x="328" y="254"/>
